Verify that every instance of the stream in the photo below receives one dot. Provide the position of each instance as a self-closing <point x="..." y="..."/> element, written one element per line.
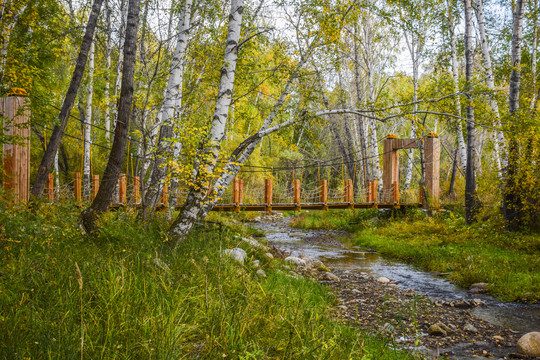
<point x="337" y="254"/>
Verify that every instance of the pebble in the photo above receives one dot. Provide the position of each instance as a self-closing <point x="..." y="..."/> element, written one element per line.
<point x="236" y="254"/>
<point x="529" y="344"/>
<point x="479" y="288"/>
<point x="383" y="280"/>
<point x="261" y="273"/>
<point x="256" y="263"/>
<point x="269" y="256"/>
<point x="295" y="261"/>
<point x="470" y="328"/>
<point x="329" y="276"/>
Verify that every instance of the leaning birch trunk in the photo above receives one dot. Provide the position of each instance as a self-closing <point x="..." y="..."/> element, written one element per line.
<point x="471" y="204"/>
<point x="512" y="205"/>
<point x="119" y="64"/>
<point x="112" y="171"/>
<point x="208" y="157"/>
<point x="462" y="148"/>
<point x="170" y="112"/>
<point x="58" y="131"/>
<point x="87" y="125"/>
<point x="499" y="143"/>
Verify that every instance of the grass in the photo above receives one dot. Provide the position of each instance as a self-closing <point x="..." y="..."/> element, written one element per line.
<point x="483" y="252"/>
<point x="125" y="294"/>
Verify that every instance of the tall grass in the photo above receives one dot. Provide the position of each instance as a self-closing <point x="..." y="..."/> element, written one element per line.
<point x="125" y="294"/>
<point x="482" y="252"/>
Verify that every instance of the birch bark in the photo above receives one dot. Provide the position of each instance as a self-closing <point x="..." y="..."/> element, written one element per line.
<point x="87" y="180"/>
<point x="170" y="113"/>
<point x="208" y="157"/>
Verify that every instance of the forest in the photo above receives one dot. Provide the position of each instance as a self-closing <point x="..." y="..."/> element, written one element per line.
<point x="159" y="110"/>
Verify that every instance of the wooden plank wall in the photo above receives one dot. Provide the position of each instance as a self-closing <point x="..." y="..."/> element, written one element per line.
<point x="16" y="159"/>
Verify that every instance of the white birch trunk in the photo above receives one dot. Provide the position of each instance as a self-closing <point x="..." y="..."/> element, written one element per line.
<point x="106" y="90"/>
<point x="462" y="148"/>
<point x="412" y="45"/>
<point x="195" y="202"/>
<point x="499" y="140"/>
<point x="534" y="53"/>
<point x="87" y="126"/>
<point x="122" y="37"/>
<point x="170" y="111"/>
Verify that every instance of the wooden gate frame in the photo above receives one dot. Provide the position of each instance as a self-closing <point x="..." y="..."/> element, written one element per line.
<point x="432" y="158"/>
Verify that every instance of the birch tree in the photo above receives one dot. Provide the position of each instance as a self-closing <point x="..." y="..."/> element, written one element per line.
<point x="88" y="125"/>
<point x="512" y="201"/>
<point x="170" y="113"/>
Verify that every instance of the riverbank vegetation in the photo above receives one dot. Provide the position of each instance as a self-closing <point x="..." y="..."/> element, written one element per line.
<point x="484" y="252"/>
<point x="126" y="294"/>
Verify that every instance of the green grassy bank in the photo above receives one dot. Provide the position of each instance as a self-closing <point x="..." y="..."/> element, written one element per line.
<point x="125" y="294"/>
<point x="483" y="252"/>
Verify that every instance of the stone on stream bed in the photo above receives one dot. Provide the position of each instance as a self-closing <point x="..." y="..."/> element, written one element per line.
<point x="383" y="280"/>
<point x="439" y="329"/>
<point x="529" y="344"/>
<point x="329" y="276"/>
<point x="236" y="254"/>
<point x="479" y="288"/>
<point x="295" y="261"/>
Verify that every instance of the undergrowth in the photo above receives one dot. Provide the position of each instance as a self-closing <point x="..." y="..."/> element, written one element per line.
<point x="125" y="294"/>
<point x="483" y="252"/>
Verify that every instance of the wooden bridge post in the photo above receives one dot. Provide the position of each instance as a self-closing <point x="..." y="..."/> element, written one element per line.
<point x="432" y="158"/>
<point x="390" y="166"/>
<point x="95" y="186"/>
<point x="346" y="191"/>
<point x="395" y="187"/>
<point x="351" y="192"/>
<point x="165" y="195"/>
<point x="16" y="156"/>
<point x="50" y="187"/>
<point x="323" y="195"/>
<point x="268" y="194"/>
<point x="374" y="191"/>
<point x="122" y="185"/>
<point x="77" y="187"/>
<point x="236" y="194"/>
<point x="297" y="190"/>
<point x="241" y="191"/>
<point x="136" y="190"/>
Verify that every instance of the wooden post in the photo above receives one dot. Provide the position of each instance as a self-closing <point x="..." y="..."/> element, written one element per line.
<point x="390" y="166"/>
<point x="16" y="156"/>
<point x="77" y="187"/>
<point x="165" y="195"/>
<point x="432" y="156"/>
<point x="50" y="187"/>
<point x="268" y="194"/>
<point x="236" y="194"/>
<point x="395" y="187"/>
<point x="374" y="190"/>
<point x="420" y="194"/>
<point x="136" y="190"/>
<point x="297" y="190"/>
<point x="95" y="186"/>
<point x="351" y="191"/>
<point x="241" y="191"/>
<point x="346" y="191"/>
<point x="323" y="191"/>
<point x="368" y="192"/>
<point x="122" y="185"/>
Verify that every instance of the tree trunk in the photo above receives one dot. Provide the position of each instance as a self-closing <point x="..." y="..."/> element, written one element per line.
<point x="116" y="158"/>
<point x="106" y="90"/>
<point x="534" y="53"/>
<point x="211" y="148"/>
<point x="462" y="148"/>
<point x="58" y="131"/>
<point x="471" y="201"/>
<point x="87" y="126"/>
<point x="499" y="143"/>
<point x="413" y="47"/>
<point x="170" y="112"/>
<point x="512" y="202"/>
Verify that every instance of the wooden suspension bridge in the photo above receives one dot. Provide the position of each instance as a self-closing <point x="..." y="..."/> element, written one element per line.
<point x="16" y="165"/>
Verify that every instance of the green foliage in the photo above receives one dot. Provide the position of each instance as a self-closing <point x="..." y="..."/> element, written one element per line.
<point x="130" y="296"/>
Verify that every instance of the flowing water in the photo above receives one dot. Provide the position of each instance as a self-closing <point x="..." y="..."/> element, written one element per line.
<point x="519" y="317"/>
